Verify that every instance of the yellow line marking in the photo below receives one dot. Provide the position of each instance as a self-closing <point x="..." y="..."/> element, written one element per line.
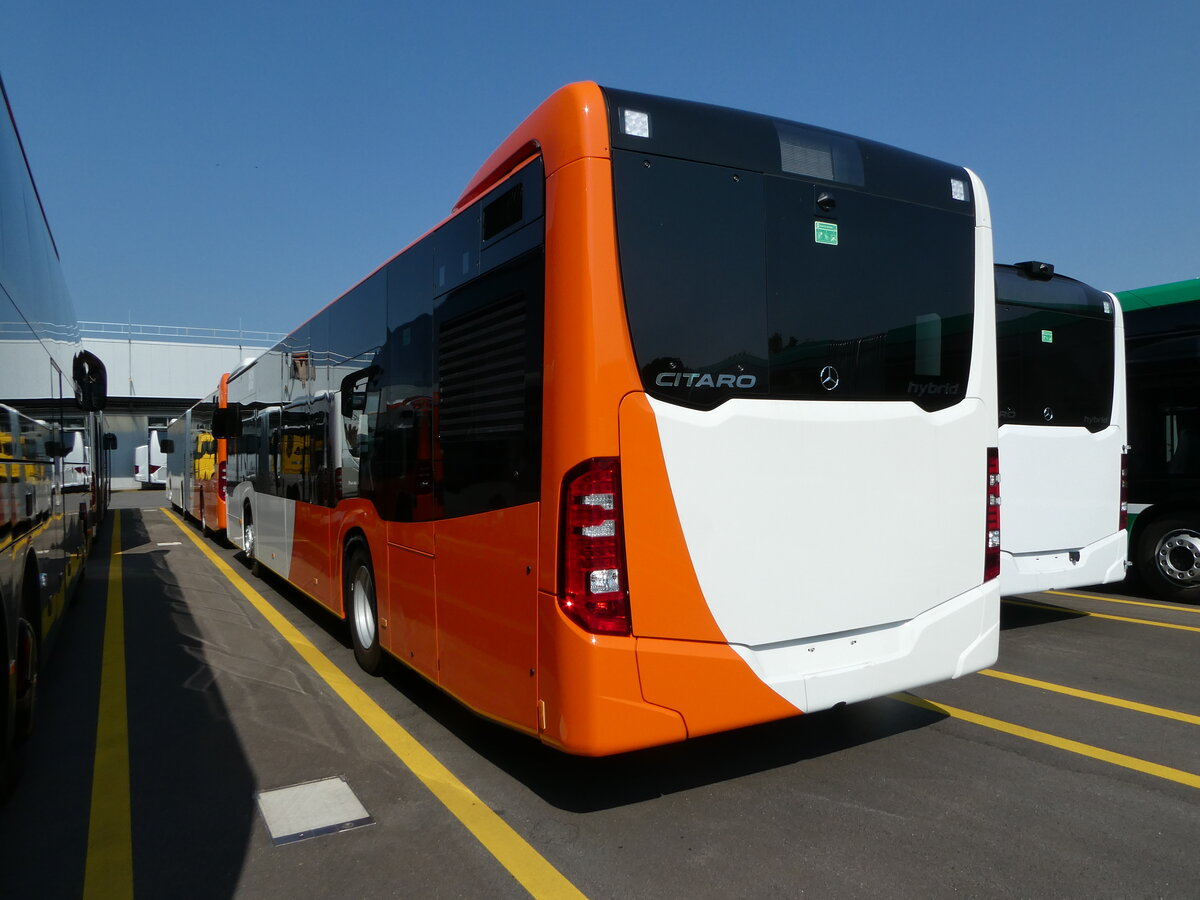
<point x="1095" y="698"/>
<point x="1052" y="740"/>
<point x="1083" y="612"/>
<point x="1174" y="607"/>
<point x="524" y="863"/>
<point x="109" y="870"/>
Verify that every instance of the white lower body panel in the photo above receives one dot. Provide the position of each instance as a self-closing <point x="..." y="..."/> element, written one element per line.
<point x="953" y="639"/>
<point x="1099" y="563"/>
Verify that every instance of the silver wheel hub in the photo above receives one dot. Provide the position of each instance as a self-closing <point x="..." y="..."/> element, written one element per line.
<point x="360" y="597"/>
<point x="1178" y="557"/>
<point x="248" y="541"/>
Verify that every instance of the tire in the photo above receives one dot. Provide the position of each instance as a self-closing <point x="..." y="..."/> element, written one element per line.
<point x="8" y="724"/>
<point x="362" y="612"/>
<point x="1167" y="557"/>
<point x="250" y="544"/>
<point x="28" y="645"/>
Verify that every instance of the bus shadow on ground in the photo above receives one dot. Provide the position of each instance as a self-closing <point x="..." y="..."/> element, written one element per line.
<point x="582" y="784"/>
<point x="1020" y="613"/>
<point x="193" y="790"/>
<point x="190" y="790"/>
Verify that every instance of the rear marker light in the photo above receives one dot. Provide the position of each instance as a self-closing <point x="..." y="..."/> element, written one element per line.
<point x="594" y="592"/>
<point x="991" y="552"/>
<point x="635" y="124"/>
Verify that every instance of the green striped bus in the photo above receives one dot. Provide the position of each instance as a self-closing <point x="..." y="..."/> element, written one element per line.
<point x="1162" y="345"/>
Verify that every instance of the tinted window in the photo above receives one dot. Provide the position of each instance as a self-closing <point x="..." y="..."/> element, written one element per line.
<point x="743" y="284"/>
<point x="1055" y="349"/>
<point x="1055" y="368"/>
<point x="489" y="356"/>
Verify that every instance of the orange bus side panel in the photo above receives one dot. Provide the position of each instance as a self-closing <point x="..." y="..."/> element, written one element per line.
<point x="572" y="123"/>
<point x="409" y="607"/>
<point x="487" y="612"/>
<point x="415" y="536"/>
<point x="313" y="570"/>
<point x="590" y="692"/>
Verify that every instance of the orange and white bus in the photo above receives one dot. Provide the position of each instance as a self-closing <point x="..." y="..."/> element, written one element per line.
<point x="684" y="420"/>
<point x="196" y="462"/>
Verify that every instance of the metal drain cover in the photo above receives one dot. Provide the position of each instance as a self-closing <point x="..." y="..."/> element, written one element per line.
<point x="311" y="809"/>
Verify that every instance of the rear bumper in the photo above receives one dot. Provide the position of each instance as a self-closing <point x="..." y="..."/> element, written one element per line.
<point x="601" y="695"/>
<point x="1099" y="563"/>
<point x="955" y="638"/>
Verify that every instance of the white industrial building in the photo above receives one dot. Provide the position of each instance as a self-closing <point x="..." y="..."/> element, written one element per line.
<point x="155" y="372"/>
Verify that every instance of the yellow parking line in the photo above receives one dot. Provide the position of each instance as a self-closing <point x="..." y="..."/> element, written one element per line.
<point x="1174" y="607"/>
<point x="1095" y="698"/>
<point x="108" y="873"/>
<point x="1096" y="615"/>
<point x="524" y="863"/>
<point x="1051" y="740"/>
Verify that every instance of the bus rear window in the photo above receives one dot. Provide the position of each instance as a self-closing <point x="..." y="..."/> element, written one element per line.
<point x="1055" y="348"/>
<point x="744" y="284"/>
<point x="1055" y="368"/>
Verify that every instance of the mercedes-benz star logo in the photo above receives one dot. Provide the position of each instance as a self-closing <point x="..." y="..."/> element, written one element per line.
<point x="1048" y="414"/>
<point x="829" y="378"/>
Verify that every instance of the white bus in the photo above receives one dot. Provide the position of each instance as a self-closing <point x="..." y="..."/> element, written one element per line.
<point x="1061" y="361"/>
<point x="150" y="463"/>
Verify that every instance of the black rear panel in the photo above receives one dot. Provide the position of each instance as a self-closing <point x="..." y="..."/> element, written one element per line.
<point x="1055" y="351"/>
<point x="769" y="259"/>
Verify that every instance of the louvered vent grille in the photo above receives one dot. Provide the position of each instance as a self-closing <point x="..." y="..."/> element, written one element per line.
<point x="482" y="368"/>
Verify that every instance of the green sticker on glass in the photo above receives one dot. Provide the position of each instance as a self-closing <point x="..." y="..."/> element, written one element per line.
<point x="826" y="233"/>
<point x="1047" y="337"/>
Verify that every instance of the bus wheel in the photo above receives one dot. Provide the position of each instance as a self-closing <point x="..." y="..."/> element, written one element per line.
<point x="250" y="543"/>
<point x="27" y="678"/>
<point x="1168" y="557"/>
<point x="361" y="610"/>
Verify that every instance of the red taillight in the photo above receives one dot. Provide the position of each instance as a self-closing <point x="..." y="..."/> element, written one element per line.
<point x="337" y="484"/>
<point x="991" y="551"/>
<point x="595" y="593"/>
<point x="221" y="468"/>
<point x="1123" y="519"/>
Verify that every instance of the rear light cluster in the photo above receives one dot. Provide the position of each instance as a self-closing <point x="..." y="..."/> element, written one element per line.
<point x="991" y="552"/>
<point x="595" y="593"/>
<point x="221" y="470"/>
<point x="1123" y="520"/>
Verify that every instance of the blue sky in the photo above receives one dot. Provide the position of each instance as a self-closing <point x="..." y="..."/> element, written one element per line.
<point x="240" y="164"/>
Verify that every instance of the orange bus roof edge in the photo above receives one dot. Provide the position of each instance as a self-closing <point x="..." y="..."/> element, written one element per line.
<point x="569" y="124"/>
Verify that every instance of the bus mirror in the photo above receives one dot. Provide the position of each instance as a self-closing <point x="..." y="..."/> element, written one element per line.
<point x="91" y="381"/>
<point x="166" y="445"/>
<point x="355" y="400"/>
<point x="110" y="441"/>
<point x="227" y="422"/>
